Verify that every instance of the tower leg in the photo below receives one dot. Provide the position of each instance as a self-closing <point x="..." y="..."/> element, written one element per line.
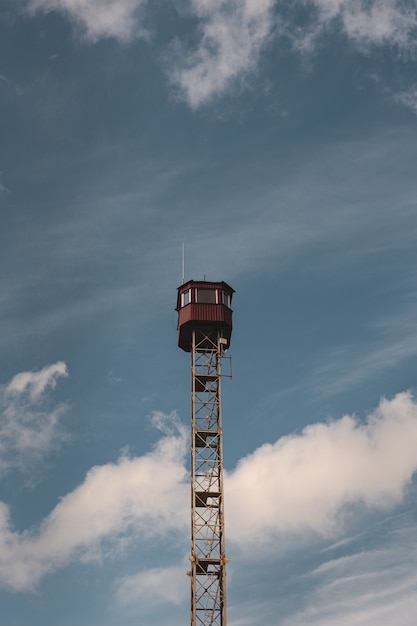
<point x="208" y="559"/>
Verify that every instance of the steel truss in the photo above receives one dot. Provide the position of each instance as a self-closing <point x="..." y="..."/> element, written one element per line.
<point x="208" y="559"/>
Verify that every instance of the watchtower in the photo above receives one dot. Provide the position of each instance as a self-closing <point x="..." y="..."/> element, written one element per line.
<point x="204" y="330"/>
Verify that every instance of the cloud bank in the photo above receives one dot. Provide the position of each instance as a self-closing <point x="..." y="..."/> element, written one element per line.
<point x="146" y="495"/>
<point x="29" y="427"/>
<point x="301" y="482"/>
<point x="155" y="586"/>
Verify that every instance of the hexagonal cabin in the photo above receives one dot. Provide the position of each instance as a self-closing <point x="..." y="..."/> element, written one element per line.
<point x="205" y="307"/>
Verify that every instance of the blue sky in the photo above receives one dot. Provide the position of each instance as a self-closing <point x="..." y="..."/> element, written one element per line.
<point x="277" y="140"/>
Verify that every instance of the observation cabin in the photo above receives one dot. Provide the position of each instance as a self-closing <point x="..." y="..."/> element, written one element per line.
<point x="204" y="307"/>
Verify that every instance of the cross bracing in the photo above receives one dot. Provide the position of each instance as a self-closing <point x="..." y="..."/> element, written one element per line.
<point x="208" y="560"/>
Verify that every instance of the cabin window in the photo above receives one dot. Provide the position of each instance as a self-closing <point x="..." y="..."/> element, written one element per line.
<point x="186" y="297"/>
<point x="226" y="299"/>
<point x="206" y="296"/>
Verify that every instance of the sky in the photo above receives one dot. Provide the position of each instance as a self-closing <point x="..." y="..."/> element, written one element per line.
<point x="277" y="141"/>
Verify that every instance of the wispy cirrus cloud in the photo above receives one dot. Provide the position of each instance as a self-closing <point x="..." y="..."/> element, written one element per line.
<point x="380" y="577"/>
<point x="29" y="426"/>
<point x="382" y="580"/>
<point x="392" y="341"/>
<point x="10" y="87"/>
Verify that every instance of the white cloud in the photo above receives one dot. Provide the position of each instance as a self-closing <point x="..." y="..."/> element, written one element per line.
<point x="302" y="482"/>
<point x="28" y="426"/>
<point x="35" y="383"/>
<point x="121" y="19"/>
<point x="154" y="586"/>
<point x="381" y="22"/>
<point x="232" y="35"/>
<point x="374" y="22"/>
<point x="146" y="495"/>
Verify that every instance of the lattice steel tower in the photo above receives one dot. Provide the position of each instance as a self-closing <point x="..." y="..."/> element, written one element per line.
<point x="204" y="330"/>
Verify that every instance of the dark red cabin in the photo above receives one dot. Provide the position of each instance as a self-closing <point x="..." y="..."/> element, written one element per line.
<point x="205" y="307"/>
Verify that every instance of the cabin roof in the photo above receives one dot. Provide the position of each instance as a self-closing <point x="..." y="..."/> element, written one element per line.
<point x="206" y="284"/>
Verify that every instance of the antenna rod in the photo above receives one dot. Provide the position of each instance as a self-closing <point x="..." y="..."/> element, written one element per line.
<point x="183" y="264"/>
